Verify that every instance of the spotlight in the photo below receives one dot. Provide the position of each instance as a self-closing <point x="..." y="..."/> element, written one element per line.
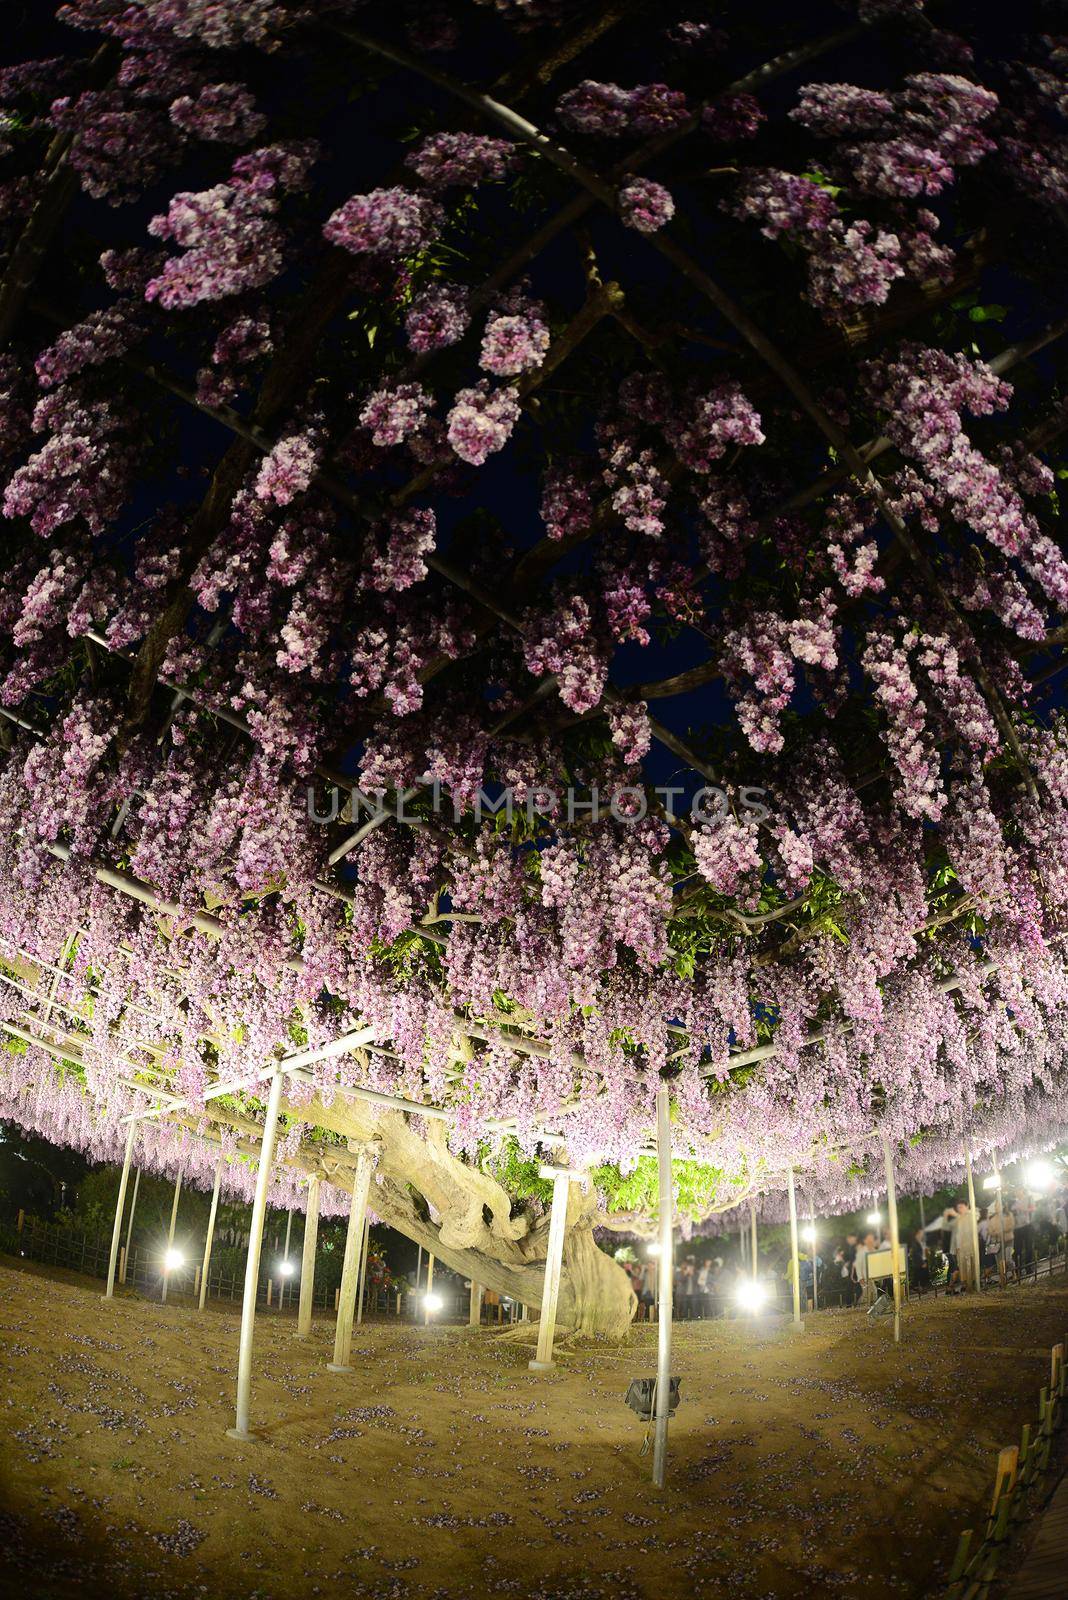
<point x="653" y="1248"/>
<point x="173" y="1260"/>
<point x="433" y="1302"/>
<point x="1039" y="1175"/>
<point x="286" y="1269"/>
<point x="809" y="1234"/>
<point x="993" y="1182"/>
<point x="751" y="1295"/>
<point x="874" y="1219"/>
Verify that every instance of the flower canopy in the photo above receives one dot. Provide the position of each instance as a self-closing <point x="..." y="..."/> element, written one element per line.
<point x="556" y="582"/>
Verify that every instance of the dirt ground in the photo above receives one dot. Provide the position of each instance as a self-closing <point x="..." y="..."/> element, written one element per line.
<point x="818" y="1464"/>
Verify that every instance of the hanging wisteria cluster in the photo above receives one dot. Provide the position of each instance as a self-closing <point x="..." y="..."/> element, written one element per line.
<point x="640" y="479"/>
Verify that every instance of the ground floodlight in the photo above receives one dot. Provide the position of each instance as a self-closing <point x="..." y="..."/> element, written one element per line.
<point x="809" y="1235"/>
<point x="993" y="1181"/>
<point x="286" y="1269"/>
<point x="1039" y="1175"/>
<point x="173" y="1260"/>
<point x="433" y="1302"/>
<point x="751" y="1295"/>
<point x="641" y="1397"/>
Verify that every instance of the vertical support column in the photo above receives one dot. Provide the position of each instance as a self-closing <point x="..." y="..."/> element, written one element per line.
<point x="119" y="1206"/>
<point x="363" y="1268"/>
<point x="895" y="1241"/>
<point x="665" y="1277"/>
<point x="210" y="1235"/>
<point x="429" y="1290"/>
<point x="753" y="1237"/>
<point x="974" y="1221"/>
<point x="999" y="1191"/>
<point x="815" y="1253"/>
<point x="543" y="1361"/>
<point x="795" y="1254"/>
<point x="418" y="1268"/>
<point x="474" y="1316"/>
<point x="129" y="1227"/>
<point x="307" y="1261"/>
<point x="285" y="1257"/>
<point x="350" y="1267"/>
<point x="170" y="1233"/>
<point x="240" y="1429"/>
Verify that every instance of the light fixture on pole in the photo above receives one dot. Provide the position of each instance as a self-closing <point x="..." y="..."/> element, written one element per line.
<point x="993" y="1181"/>
<point x="1039" y="1175"/>
<point x="874" y="1219"/>
<point x="808" y="1233"/>
<point x="751" y="1295"/>
<point x="286" y="1269"/>
<point x="432" y="1303"/>
<point x="172" y="1260"/>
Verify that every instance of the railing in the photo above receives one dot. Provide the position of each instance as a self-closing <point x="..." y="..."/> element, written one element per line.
<point x="1020" y="1470"/>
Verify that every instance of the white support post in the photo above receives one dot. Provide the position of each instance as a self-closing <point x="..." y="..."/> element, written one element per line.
<point x="307" y="1261"/>
<point x="418" y="1267"/>
<point x="753" y="1238"/>
<point x="974" y="1222"/>
<point x="474" y="1316"/>
<point x="895" y="1239"/>
<point x="350" y="1267"/>
<point x="170" y="1234"/>
<point x="119" y="1207"/>
<point x="795" y="1254"/>
<point x="363" y="1268"/>
<point x="429" y="1290"/>
<point x="240" y="1430"/>
<point x="815" y="1255"/>
<point x="285" y="1257"/>
<point x="1000" y="1193"/>
<point x="665" y="1276"/>
<point x="209" y="1236"/>
<point x="543" y="1361"/>
<point x="129" y="1227"/>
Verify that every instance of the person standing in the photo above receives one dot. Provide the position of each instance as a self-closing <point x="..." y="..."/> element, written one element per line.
<point x="1024" y="1213"/>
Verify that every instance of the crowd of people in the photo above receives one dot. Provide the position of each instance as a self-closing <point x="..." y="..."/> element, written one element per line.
<point x="1015" y="1228"/>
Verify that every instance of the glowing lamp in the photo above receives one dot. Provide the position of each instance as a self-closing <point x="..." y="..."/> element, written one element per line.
<point x="809" y="1235"/>
<point x="993" y="1182"/>
<point x="653" y="1248"/>
<point x="1039" y="1175"/>
<point x="173" y="1260"/>
<point x="286" y="1269"/>
<point x="433" y="1302"/>
<point x="751" y="1295"/>
<point x="874" y="1219"/>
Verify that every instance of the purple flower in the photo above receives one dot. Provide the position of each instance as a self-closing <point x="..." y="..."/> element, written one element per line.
<point x="437" y="317"/>
<point x="645" y="205"/>
<point x="481" y="422"/>
<point x="387" y="222"/>
<point x="445" y="159"/>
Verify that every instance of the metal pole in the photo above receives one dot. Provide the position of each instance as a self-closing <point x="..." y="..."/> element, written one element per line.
<point x="210" y="1234"/>
<point x="543" y="1361"/>
<point x="170" y="1232"/>
<point x="753" y="1235"/>
<point x="975" y="1220"/>
<point x="429" y="1290"/>
<point x="350" y="1267"/>
<point x="815" y="1270"/>
<point x="795" y="1255"/>
<point x="363" y="1268"/>
<point x="1001" y="1220"/>
<point x="474" y="1316"/>
<point x="895" y="1242"/>
<point x="240" y="1429"/>
<point x="665" y="1273"/>
<point x="307" y="1261"/>
<point x="119" y="1205"/>
<point x="285" y="1257"/>
<point x="418" y="1268"/>
<point x="129" y="1227"/>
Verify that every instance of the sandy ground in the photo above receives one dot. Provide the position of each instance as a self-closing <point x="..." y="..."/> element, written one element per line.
<point x="820" y="1464"/>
